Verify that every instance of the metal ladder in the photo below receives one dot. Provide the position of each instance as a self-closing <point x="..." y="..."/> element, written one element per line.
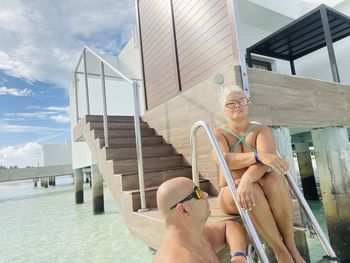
<point x="312" y="228"/>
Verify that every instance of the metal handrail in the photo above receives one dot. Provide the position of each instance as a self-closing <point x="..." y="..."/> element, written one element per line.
<point x="321" y="236"/>
<point x="307" y="210"/>
<point x="134" y="83"/>
<point x="223" y="165"/>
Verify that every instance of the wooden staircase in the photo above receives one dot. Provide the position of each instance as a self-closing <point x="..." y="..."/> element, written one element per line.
<point x="118" y="165"/>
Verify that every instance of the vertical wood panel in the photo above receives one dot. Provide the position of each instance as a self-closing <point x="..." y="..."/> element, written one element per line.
<point x="158" y="50"/>
<point x="204" y="43"/>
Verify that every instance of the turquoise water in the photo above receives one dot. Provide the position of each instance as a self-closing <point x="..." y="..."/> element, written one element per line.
<point x="45" y="225"/>
<point x="315" y="249"/>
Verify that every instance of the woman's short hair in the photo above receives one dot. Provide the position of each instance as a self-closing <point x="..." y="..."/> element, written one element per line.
<point x="227" y="91"/>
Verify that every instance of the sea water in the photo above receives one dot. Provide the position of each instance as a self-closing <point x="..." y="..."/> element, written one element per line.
<point x="45" y="225"/>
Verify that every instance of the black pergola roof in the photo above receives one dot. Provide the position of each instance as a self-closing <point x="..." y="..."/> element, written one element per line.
<point x="319" y="28"/>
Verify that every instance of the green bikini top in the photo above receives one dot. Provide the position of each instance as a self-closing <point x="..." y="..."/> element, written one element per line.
<point x="240" y="139"/>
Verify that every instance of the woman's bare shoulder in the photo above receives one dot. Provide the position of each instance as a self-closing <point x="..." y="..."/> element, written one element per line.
<point x="262" y="128"/>
<point x="218" y="131"/>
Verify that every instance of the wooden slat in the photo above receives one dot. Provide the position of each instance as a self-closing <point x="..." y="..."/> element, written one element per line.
<point x="201" y="46"/>
<point x="187" y="12"/>
<point x="200" y="65"/>
<point x="155" y="14"/>
<point x="201" y="21"/>
<point x="170" y="95"/>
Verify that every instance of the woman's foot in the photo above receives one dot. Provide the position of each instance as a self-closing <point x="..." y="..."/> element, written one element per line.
<point x="284" y="257"/>
<point x="297" y="257"/>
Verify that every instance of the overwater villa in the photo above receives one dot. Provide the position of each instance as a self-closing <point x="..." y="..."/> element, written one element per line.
<point x="289" y="57"/>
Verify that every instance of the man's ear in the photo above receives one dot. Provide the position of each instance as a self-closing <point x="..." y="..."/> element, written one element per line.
<point x="182" y="209"/>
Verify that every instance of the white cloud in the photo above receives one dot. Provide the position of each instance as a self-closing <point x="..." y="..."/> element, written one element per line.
<point x="57" y="108"/>
<point x="61" y="118"/>
<point x="29" y="154"/>
<point x="25" y="128"/>
<point x="58" y="114"/>
<point x="41" y="40"/>
<point x="15" y="92"/>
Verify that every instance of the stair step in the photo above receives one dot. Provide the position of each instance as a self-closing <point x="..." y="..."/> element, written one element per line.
<point x="123" y="133"/>
<point x="149" y="164"/>
<point x="130" y="181"/>
<point x="151" y="196"/>
<point x="99" y="118"/>
<point x="147" y="151"/>
<point x="117" y="125"/>
<point x="130" y="141"/>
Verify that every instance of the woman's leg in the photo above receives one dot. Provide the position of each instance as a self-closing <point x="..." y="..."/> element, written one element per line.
<point x="262" y="218"/>
<point x="280" y="201"/>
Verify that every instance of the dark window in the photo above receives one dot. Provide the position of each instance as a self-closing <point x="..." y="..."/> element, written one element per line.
<point x="259" y="64"/>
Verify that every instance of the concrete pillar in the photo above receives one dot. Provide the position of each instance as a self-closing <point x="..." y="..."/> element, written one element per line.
<point x="52" y="181"/>
<point x="306" y="171"/>
<point x="44" y="182"/>
<point x="87" y="179"/>
<point x="284" y="146"/>
<point x="35" y="182"/>
<point x="332" y="152"/>
<point x="78" y="183"/>
<point x="97" y="190"/>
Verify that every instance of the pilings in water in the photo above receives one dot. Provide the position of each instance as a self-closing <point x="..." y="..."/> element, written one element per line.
<point x="79" y="188"/>
<point x="332" y="152"/>
<point x="284" y="146"/>
<point x="306" y="171"/>
<point x="44" y="182"/>
<point x="97" y="190"/>
<point x="52" y="181"/>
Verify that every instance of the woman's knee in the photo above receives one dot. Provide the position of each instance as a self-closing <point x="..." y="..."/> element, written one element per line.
<point x="272" y="182"/>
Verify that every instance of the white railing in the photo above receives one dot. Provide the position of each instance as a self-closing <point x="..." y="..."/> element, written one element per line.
<point x="135" y="86"/>
<point x="244" y="215"/>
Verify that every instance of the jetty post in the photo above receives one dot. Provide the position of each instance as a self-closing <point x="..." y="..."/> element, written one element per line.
<point x="97" y="190"/>
<point x="306" y="171"/>
<point x="79" y="188"/>
<point x="284" y="147"/>
<point x="44" y="182"/>
<point x="52" y="180"/>
<point x="332" y="152"/>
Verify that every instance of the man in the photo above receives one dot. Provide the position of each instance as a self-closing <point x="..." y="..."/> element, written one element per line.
<point x="185" y="210"/>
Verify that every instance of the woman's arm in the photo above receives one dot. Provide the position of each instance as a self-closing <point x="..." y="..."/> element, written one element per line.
<point x="266" y="148"/>
<point x="234" y="161"/>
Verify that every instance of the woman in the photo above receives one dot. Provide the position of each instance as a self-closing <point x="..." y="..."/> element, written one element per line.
<point x="250" y="153"/>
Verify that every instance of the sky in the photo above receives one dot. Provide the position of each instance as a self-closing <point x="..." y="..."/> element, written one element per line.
<point x="40" y="42"/>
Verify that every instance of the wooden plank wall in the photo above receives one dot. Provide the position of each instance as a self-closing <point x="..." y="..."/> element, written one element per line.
<point x="201" y="44"/>
<point x="158" y="51"/>
<point x="277" y="100"/>
<point x="204" y="40"/>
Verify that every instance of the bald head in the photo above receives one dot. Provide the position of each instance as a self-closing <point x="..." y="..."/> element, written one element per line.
<point x="171" y="192"/>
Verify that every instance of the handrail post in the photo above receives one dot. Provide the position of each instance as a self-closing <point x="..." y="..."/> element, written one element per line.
<point x="244" y="215"/>
<point x="323" y="239"/>
<point x="105" y="117"/>
<point x="86" y="83"/>
<point x="139" y="147"/>
<point x="76" y="96"/>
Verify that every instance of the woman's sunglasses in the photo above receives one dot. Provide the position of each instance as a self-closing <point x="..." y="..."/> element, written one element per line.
<point x="197" y="194"/>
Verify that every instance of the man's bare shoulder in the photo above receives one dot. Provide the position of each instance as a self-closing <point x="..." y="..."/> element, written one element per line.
<point x="172" y="253"/>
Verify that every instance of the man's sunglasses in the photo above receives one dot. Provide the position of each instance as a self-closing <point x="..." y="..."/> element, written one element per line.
<point x="197" y="194"/>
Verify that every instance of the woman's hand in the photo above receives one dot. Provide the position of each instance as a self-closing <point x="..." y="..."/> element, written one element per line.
<point x="245" y="193"/>
<point x="278" y="164"/>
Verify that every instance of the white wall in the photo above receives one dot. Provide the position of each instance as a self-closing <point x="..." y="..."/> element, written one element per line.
<point x="57" y="154"/>
<point x="119" y="93"/>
